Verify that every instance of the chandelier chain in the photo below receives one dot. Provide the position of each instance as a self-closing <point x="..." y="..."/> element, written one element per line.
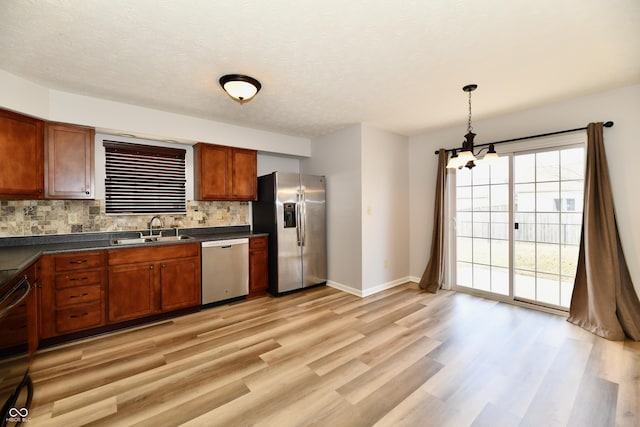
<point x="469" y="127"/>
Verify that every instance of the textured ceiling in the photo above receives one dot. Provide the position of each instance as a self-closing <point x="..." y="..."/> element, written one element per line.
<point x="398" y="66"/>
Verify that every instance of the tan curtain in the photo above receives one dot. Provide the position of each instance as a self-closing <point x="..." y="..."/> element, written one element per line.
<point x="604" y="300"/>
<point x="433" y="275"/>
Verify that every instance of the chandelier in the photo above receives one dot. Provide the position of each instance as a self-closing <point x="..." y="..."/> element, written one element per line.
<point x="466" y="157"/>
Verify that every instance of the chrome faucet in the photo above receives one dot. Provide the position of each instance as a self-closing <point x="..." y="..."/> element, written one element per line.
<point x="151" y="225"/>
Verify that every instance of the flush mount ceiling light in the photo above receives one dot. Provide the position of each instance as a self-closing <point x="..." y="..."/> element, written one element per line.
<point x="240" y="87"/>
<point x="466" y="157"/>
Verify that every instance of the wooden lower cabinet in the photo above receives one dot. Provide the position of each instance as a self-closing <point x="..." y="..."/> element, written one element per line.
<point x="180" y="284"/>
<point x="72" y="292"/>
<point x="131" y="291"/>
<point x="258" y="266"/>
<point x="147" y="281"/>
<point x="85" y="290"/>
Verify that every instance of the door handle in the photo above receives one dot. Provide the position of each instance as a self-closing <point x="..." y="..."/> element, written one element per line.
<point x="298" y="216"/>
<point x="303" y="216"/>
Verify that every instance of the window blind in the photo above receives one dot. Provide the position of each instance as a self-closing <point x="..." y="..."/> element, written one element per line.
<point x="144" y="179"/>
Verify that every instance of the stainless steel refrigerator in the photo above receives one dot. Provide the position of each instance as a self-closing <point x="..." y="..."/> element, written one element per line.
<point x="292" y="209"/>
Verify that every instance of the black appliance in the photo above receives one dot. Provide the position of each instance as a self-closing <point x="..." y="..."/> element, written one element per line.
<point x="16" y="388"/>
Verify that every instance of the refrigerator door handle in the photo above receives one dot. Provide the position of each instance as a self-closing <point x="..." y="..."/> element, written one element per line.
<point x="298" y="223"/>
<point x="303" y="214"/>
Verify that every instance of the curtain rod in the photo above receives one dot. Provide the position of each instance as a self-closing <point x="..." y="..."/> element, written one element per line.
<point x="607" y="124"/>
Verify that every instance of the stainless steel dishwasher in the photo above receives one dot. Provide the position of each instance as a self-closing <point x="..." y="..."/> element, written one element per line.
<point x="225" y="270"/>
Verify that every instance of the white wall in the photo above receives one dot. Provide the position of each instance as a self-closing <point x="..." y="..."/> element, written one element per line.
<point x="338" y="157"/>
<point x="620" y="105"/>
<point x="113" y="117"/>
<point x="23" y="96"/>
<point x="385" y="213"/>
<point x="367" y="198"/>
<point x="268" y="163"/>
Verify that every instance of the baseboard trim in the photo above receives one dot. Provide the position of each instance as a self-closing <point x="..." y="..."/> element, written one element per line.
<point x="344" y="288"/>
<point x="369" y="291"/>
<point x="414" y="279"/>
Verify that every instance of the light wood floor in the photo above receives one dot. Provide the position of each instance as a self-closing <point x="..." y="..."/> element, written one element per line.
<point x="326" y="358"/>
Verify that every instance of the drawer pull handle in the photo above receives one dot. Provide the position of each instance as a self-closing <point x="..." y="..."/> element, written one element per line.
<point x="78" y="296"/>
<point x="75" y="279"/>
<point x="82" y="261"/>
<point x="75" y="316"/>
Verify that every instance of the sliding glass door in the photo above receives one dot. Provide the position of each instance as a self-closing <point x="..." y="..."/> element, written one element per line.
<point x="482" y="224"/>
<point x="548" y="189"/>
<point x="517" y="225"/>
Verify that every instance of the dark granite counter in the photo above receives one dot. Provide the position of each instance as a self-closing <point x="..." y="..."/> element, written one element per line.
<point x="18" y="253"/>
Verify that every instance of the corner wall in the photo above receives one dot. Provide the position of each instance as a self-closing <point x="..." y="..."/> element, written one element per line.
<point x="337" y="156"/>
<point x="367" y="198"/>
<point x="385" y="216"/>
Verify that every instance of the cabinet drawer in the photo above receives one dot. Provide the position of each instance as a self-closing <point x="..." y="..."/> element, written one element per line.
<point x="77" y="295"/>
<point x="80" y="278"/>
<point x="78" y="317"/>
<point x="79" y="261"/>
<point x="257" y="242"/>
<point x="153" y="254"/>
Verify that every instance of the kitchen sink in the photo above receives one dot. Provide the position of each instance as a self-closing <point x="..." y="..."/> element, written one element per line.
<point x="149" y="239"/>
<point x="133" y="241"/>
<point x="171" y="238"/>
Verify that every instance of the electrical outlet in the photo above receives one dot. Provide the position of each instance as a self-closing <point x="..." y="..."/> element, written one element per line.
<point x="369" y="210"/>
<point x="72" y="218"/>
<point x="386" y="263"/>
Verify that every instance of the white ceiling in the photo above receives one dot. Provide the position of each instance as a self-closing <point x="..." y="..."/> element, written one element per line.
<point x="324" y="64"/>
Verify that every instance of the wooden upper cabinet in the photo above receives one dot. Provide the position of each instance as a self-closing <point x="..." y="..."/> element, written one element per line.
<point x="211" y="171"/>
<point x="244" y="170"/>
<point x="69" y="162"/>
<point x="224" y="173"/>
<point x="21" y="156"/>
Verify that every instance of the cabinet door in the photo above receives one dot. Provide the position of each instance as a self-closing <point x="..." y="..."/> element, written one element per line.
<point x="244" y="174"/>
<point x="131" y="293"/>
<point x="69" y="162"/>
<point x="180" y="284"/>
<point x="21" y="156"/>
<point x="258" y="266"/>
<point x="212" y="172"/>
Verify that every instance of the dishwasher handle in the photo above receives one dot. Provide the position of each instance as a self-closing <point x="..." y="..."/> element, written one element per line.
<point x="225" y="243"/>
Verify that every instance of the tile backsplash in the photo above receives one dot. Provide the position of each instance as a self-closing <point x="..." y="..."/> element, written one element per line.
<point x="36" y="217"/>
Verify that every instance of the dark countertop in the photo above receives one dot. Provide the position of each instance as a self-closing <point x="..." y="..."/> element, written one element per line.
<point x="18" y="253"/>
